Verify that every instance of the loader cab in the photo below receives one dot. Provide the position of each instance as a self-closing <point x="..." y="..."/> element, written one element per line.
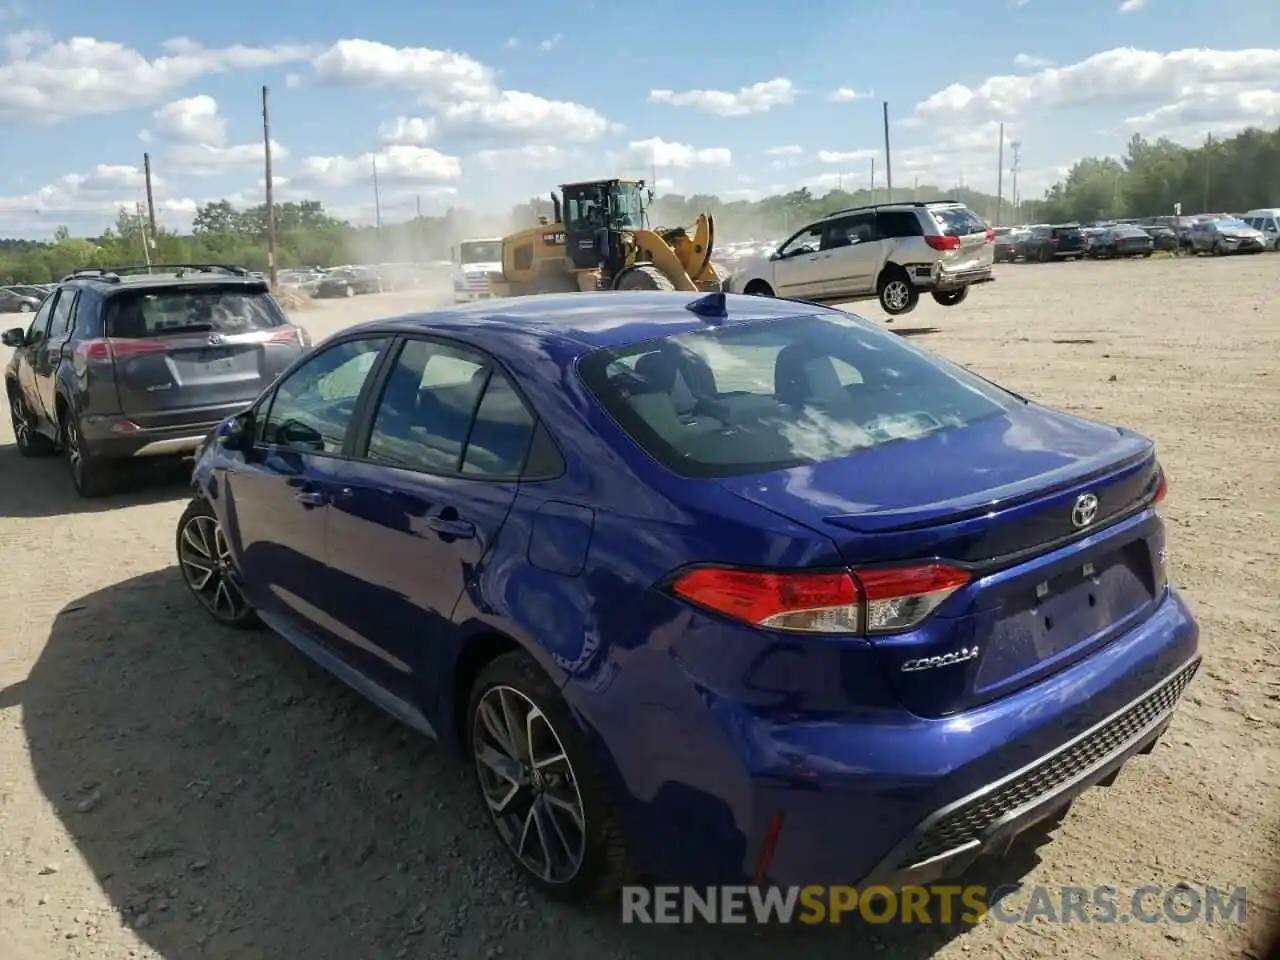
<point x="595" y="214"/>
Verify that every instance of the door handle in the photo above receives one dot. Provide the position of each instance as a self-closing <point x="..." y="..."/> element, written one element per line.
<point x="460" y="529"/>
<point x="312" y="498"/>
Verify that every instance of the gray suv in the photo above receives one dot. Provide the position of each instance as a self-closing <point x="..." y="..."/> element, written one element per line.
<point x="891" y="252"/>
<point x="128" y="363"/>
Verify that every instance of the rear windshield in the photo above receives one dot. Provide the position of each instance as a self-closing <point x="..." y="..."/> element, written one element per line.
<point x="155" y="313"/>
<point x="957" y="221"/>
<point x="1066" y="231"/>
<point x="780" y="393"/>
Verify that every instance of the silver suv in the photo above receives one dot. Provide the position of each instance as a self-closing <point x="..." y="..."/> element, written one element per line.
<point x="891" y="252"/>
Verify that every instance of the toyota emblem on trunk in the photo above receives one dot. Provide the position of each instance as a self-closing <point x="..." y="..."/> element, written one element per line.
<point x="216" y="338"/>
<point x="1085" y="510"/>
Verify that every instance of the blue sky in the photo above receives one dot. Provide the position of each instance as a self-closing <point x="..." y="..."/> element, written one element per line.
<point x="484" y="103"/>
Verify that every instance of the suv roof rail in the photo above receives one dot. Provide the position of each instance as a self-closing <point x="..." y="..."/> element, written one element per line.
<point x="894" y="203"/>
<point x="92" y="273"/>
<point x="114" y="274"/>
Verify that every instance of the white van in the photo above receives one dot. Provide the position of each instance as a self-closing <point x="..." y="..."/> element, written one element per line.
<point x="1268" y="221"/>
<point x="473" y="261"/>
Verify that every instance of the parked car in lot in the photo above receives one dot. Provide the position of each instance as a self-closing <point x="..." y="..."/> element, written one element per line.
<point x="36" y="290"/>
<point x="1163" y="237"/>
<point x="1225" y="235"/>
<point x="891" y="252"/>
<point x="1121" y="240"/>
<point x="348" y="283"/>
<point x="1008" y="243"/>
<point x="14" y="301"/>
<point x="125" y="363"/>
<point x="1267" y="221"/>
<point x="1091" y="239"/>
<point x="1050" y="243"/>
<point x="705" y="589"/>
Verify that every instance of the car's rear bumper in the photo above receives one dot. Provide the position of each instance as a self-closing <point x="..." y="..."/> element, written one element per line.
<point x="887" y="797"/>
<point x="471" y="296"/>
<point x="117" y="438"/>
<point x="944" y="281"/>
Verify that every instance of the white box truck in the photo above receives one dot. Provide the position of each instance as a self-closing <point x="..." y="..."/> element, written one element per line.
<point x="473" y="261"/>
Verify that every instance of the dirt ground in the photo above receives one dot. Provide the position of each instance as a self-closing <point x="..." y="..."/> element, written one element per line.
<point x="169" y="789"/>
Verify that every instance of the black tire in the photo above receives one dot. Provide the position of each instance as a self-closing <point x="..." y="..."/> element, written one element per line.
<point x="90" y="475"/>
<point x="1216" y="250"/>
<point x="26" y="438"/>
<point x="193" y="546"/>
<point x="1045" y="256"/>
<point x="897" y="294"/>
<point x="603" y="865"/>
<point x="950" y="298"/>
<point x="644" y="277"/>
<point x="758" y="288"/>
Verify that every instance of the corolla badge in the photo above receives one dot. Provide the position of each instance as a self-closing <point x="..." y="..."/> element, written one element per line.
<point x="1085" y="510"/>
<point x="943" y="660"/>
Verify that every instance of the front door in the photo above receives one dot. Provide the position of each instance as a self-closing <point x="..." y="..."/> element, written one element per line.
<point x="46" y="359"/>
<point x="797" y="267"/>
<point x="37" y="334"/>
<point x="420" y="510"/>
<point x="278" y="495"/>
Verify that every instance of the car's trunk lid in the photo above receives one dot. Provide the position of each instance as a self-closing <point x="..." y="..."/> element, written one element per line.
<point x="1013" y="483"/>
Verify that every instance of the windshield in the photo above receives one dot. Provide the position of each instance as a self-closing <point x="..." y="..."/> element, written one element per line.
<point x="1232" y="223"/>
<point x="480" y="251"/>
<point x="188" y="310"/>
<point x="781" y="393"/>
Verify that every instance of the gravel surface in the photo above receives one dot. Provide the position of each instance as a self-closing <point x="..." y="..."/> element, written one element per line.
<point x="169" y="789"/>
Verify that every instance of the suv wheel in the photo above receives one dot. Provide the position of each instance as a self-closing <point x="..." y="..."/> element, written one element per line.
<point x="541" y="784"/>
<point x="949" y="298"/>
<point x="29" y="441"/>
<point x="897" y="294"/>
<point x="89" y="474"/>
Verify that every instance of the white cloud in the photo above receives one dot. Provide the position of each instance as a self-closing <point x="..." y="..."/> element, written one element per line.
<point x="656" y="152"/>
<point x="1224" y="113"/>
<point x="193" y="120"/>
<point x="400" y="164"/>
<point x="846" y="157"/>
<point x="463" y="92"/>
<point x="204" y="159"/>
<point x="414" y="131"/>
<point x="100" y="192"/>
<point x="533" y="156"/>
<point x="1132" y="6"/>
<point x="848" y="95"/>
<point x="1029" y="61"/>
<point x="48" y="81"/>
<point x="551" y="42"/>
<point x="511" y="43"/>
<point x="790" y="150"/>
<point x="757" y="98"/>
<point x="1122" y="77"/>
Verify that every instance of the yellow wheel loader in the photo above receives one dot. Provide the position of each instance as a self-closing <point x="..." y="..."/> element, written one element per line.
<point x="600" y="239"/>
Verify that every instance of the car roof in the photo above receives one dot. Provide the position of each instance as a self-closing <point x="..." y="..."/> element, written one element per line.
<point x="109" y="284"/>
<point x="587" y="321"/>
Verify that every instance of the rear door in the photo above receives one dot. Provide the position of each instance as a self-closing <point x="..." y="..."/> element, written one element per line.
<point x="975" y="250"/>
<point x="850" y="256"/>
<point x="192" y="354"/>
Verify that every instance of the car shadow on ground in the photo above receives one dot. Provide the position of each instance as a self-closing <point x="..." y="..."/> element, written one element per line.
<point x="234" y="801"/>
<point x="41" y="486"/>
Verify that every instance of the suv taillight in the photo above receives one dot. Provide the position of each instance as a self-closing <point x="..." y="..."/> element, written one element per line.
<point x="868" y="602"/>
<point x="943" y="243"/>
<point x="114" y="348"/>
<point x="290" y="333"/>
<point x="991" y="235"/>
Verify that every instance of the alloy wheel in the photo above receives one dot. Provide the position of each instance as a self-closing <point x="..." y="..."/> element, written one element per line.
<point x="896" y="294"/>
<point x="21" y="427"/>
<point x="71" y="443"/>
<point x="529" y="785"/>
<point x="207" y="568"/>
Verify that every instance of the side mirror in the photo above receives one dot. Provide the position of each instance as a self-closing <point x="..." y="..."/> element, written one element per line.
<point x="237" y="433"/>
<point x="14" y="337"/>
<point x="296" y="434"/>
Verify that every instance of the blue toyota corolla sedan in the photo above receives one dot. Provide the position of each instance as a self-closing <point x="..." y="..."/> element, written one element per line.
<point x="706" y="588"/>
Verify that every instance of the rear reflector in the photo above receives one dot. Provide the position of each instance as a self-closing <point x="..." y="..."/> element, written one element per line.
<point x="113" y="348"/>
<point x="881" y="600"/>
<point x="943" y="243"/>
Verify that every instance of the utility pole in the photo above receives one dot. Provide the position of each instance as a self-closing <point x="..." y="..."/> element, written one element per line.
<point x="888" y="161"/>
<point x="418" y="201"/>
<point x="1000" y="179"/>
<point x="873" y="180"/>
<point x="1016" y="149"/>
<point x="915" y="189"/>
<point x="142" y="231"/>
<point x="377" y="199"/>
<point x="271" y="202"/>
<point x="151" y="201"/>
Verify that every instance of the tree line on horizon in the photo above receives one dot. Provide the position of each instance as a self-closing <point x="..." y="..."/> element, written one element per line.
<point x="1222" y="175"/>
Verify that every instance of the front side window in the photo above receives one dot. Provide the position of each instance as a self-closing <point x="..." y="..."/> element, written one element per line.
<point x="446" y="409"/>
<point x="806" y="241"/>
<point x="781" y="393"/>
<point x="38" y="332"/>
<point x="313" y="407"/>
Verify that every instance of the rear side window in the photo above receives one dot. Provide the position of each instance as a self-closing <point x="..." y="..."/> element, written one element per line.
<point x="156" y="313"/>
<point x="60" y="323"/>
<point x="781" y="393"/>
<point x="899" y="223"/>
<point x="958" y="221"/>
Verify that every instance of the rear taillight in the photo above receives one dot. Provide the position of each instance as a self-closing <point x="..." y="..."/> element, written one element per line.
<point x="943" y="243"/>
<point x="871" y="601"/>
<point x="113" y="348"/>
<point x="291" y="334"/>
<point x="1162" y="489"/>
<point x="991" y="235"/>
